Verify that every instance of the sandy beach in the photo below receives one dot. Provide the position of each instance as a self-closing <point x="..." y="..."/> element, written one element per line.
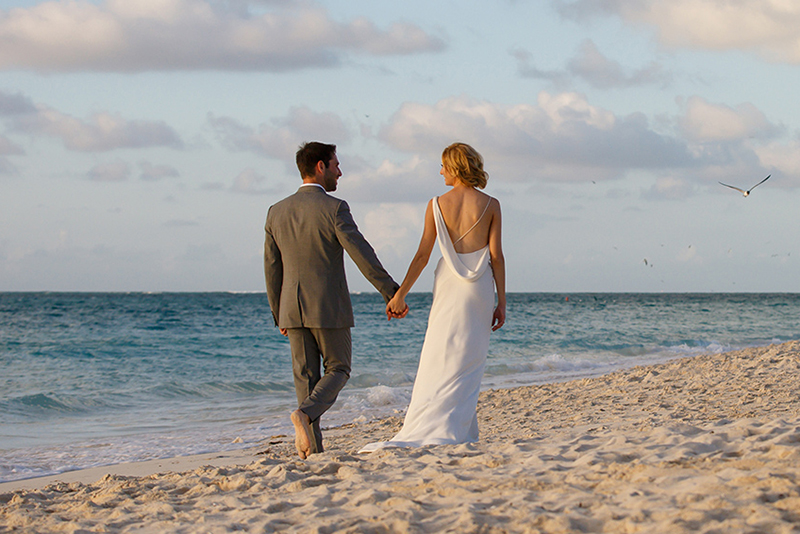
<point x="703" y="444"/>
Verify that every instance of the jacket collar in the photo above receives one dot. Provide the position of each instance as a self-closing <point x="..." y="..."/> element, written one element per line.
<point x="314" y="188"/>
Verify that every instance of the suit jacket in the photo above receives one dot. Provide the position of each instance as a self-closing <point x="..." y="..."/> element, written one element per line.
<point x="306" y="236"/>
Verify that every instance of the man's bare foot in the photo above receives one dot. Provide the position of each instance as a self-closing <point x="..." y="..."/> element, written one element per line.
<point x="302" y="433"/>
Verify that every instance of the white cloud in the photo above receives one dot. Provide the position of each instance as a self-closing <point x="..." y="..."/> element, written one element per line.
<point x="782" y="160"/>
<point x="769" y="27"/>
<point x="102" y="132"/>
<point x="281" y="138"/>
<point x="414" y="180"/>
<point x="704" y="122"/>
<point x="113" y="171"/>
<point x="394" y="230"/>
<point x="144" y="35"/>
<point x="562" y="137"/>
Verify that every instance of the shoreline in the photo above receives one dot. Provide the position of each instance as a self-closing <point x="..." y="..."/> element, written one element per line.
<point x="251" y="452"/>
<point x="647" y="447"/>
<point x="282" y="442"/>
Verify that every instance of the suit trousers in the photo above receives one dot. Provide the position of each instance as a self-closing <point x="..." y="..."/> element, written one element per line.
<point x="313" y="349"/>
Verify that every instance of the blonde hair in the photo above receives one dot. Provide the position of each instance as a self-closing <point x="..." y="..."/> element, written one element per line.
<point x="466" y="164"/>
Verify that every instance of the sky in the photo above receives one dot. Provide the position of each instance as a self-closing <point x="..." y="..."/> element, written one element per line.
<point x="142" y="142"/>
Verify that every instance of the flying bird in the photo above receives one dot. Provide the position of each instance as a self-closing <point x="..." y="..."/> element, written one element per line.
<point x="742" y="191"/>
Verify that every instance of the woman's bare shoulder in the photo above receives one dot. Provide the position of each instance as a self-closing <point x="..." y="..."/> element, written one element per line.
<point x="493" y="208"/>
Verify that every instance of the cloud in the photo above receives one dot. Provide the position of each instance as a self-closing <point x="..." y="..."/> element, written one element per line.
<point x="590" y="65"/>
<point x="212" y="186"/>
<point x="15" y="104"/>
<point x="768" y="27"/>
<point x="703" y="122"/>
<point x="6" y="167"/>
<point x="247" y="182"/>
<point x="688" y="254"/>
<point x="7" y="147"/>
<point x="394" y="229"/>
<point x="562" y="137"/>
<point x="101" y="132"/>
<point x="738" y="143"/>
<point x="150" y="35"/>
<point x="250" y="182"/>
<point x="153" y="173"/>
<point x="281" y="138"/>
<point x="114" y="171"/>
<point x="670" y="188"/>
<point x="782" y="160"/>
<point x="605" y="73"/>
<point x="414" y="180"/>
<point x="526" y="69"/>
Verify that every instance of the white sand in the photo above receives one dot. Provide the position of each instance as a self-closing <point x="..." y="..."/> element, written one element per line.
<point x="706" y="444"/>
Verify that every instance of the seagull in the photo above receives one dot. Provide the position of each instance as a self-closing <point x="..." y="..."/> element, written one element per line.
<point x="742" y="191"/>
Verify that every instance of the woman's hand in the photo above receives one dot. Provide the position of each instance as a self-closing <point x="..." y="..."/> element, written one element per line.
<point x="397" y="308"/>
<point x="498" y="318"/>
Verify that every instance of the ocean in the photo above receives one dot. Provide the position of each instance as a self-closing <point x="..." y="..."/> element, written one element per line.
<point x="91" y="379"/>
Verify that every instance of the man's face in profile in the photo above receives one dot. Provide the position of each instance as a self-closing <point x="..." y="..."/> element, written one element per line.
<point x="332" y="174"/>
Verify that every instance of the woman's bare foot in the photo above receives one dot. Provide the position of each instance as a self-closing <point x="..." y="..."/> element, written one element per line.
<point x="302" y="433"/>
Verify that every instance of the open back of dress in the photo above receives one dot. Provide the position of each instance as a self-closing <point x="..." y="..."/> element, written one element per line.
<point x="445" y="395"/>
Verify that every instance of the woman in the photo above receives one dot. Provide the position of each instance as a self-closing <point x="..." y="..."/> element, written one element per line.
<point x="466" y="223"/>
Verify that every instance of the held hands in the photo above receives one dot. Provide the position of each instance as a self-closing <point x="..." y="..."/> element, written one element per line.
<point x="397" y="308"/>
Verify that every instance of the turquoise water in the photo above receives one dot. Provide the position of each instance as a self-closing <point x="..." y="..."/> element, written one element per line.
<point x="97" y="378"/>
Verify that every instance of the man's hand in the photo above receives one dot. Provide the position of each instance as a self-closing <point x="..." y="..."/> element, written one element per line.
<point x="284" y="332"/>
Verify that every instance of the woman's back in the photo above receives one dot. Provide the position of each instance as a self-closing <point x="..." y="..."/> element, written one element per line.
<point x="468" y="216"/>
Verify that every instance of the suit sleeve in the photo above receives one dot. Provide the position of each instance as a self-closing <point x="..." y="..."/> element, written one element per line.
<point x="273" y="272"/>
<point x="363" y="254"/>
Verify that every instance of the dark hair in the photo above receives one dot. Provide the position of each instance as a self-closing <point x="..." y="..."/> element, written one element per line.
<point x="309" y="154"/>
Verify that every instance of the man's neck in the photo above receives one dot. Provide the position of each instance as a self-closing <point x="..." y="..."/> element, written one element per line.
<point x="311" y="183"/>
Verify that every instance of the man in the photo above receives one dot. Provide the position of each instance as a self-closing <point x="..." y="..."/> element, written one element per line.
<point x="306" y="235"/>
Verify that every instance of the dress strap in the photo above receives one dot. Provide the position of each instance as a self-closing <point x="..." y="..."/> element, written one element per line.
<point x="474" y="225"/>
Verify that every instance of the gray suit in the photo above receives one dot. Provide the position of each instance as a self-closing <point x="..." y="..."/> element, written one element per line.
<point x="306" y="236"/>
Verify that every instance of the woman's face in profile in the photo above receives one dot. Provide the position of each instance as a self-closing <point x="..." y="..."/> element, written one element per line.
<point x="449" y="179"/>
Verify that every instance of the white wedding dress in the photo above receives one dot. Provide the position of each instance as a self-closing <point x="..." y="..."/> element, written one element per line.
<point x="445" y="395"/>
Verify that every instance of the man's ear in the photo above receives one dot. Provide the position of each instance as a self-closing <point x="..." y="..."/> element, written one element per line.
<point x="320" y="168"/>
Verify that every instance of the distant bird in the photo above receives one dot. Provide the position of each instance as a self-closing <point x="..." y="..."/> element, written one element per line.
<point x="742" y="191"/>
